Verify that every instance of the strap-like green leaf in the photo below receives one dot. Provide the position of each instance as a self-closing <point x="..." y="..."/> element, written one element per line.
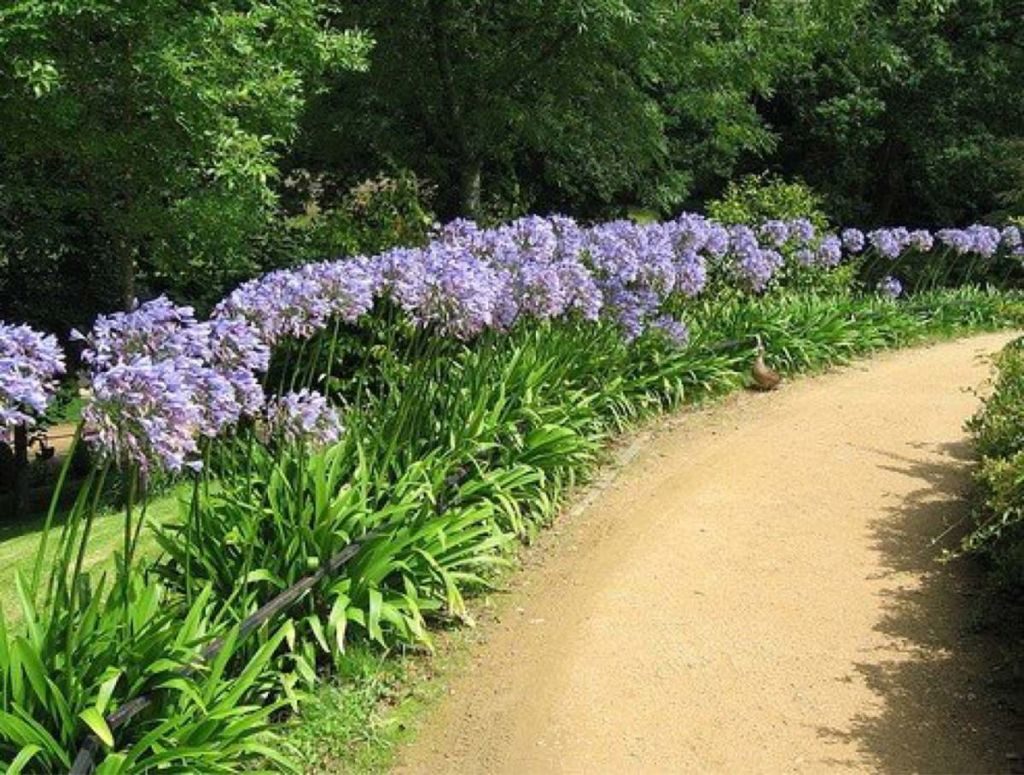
<point x="94" y="719"/>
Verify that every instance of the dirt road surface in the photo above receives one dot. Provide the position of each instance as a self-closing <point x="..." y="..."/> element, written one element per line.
<point x="755" y="590"/>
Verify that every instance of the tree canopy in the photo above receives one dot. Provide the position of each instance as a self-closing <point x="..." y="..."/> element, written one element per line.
<point x="574" y="104"/>
<point x="148" y="133"/>
<point x="177" y="145"/>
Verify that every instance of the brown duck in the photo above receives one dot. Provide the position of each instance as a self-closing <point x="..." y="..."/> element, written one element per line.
<point x="765" y="378"/>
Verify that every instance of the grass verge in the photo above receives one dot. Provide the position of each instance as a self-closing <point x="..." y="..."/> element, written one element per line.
<point x="19" y="543"/>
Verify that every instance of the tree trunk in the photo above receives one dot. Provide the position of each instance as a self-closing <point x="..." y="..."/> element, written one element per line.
<point x="20" y="490"/>
<point x="125" y="275"/>
<point x="467" y="165"/>
<point x="469" y="188"/>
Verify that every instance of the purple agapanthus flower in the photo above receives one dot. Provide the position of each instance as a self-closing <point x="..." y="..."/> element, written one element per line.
<point x="774" y="233"/>
<point x="30" y="363"/>
<point x="157" y="330"/>
<point x="753" y="266"/>
<point x="985" y="239"/>
<point x="674" y="331"/>
<point x="637" y="266"/>
<point x="829" y="253"/>
<point x="956" y="239"/>
<point x="693" y="232"/>
<point x="537" y="263"/>
<point x="446" y="287"/>
<point x="239" y="355"/>
<point x="921" y="240"/>
<point x="299" y="303"/>
<point x="805" y="257"/>
<point x="1011" y="238"/>
<point x="631" y="309"/>
<point x="145" y="413"/>
<point x="691" y="273"/>
<point x="802" y="231"/>
<point x="888" y="243"/>
<point x="890" y="287"/>
<point x="853" y="240"/>
<point x="160" y="380"/>
<point x="305" y="417"/>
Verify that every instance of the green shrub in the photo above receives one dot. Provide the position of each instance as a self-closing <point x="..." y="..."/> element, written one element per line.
<point x="63" y="670"/>
<point x="378" y="214"/>
<point x="756" y="198"/>
<point x="998" y="430"/>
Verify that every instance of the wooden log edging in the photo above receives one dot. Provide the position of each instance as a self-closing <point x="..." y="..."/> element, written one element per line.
<point x="731" y="344"/>
<point x="85" y="760"/>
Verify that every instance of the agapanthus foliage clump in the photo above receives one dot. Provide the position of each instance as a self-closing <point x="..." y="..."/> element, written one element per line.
<point x="30" y="363"/>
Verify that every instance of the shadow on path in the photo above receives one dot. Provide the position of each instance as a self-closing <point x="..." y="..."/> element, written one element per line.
<point x="951" y="702"/>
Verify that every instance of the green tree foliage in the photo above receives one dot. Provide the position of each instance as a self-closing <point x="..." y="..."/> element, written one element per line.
<point x="151" y="145"/>
<point x="912" y="112"/>
<point x="570" y="104"/>
<point x="141" y="138"/>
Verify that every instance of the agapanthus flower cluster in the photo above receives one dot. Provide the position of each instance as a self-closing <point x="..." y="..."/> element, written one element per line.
<point x="753" y="266"/>
<point x="30" y="363"/>
<point x="889" y="243"/>
<point x="540" y="260"/>
<point x="237" y="352"/>
<point x="853" y="240"/>
<point x="802" y="231"/>
<point x="890" y="287"/>
<point x="692" y="232"/>
<point x="829" y="252"/>
<point x="445" y="287"/>
<point x="774" y="232"/>
<point x="145" y="413"/>
<point x="920" y="240"/>
<point x="673" y="330"/>
<point x="977" y="239"/>
<point x="639" y="266"/>
<point x="302" y="417"/>
<point x="156" y="330"/>
<point x="300" y="302"/>
<point x="1012" y="240"/>
<point x="160" y="381"/>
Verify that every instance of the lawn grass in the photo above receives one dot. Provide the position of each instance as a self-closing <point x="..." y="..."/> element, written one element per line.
<point x="19" y="543"/>
<point x="353" y="722"/>
<point x="357" y="722"/>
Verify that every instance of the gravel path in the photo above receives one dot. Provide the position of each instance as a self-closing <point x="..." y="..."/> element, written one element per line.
<point x="755" y="590"/>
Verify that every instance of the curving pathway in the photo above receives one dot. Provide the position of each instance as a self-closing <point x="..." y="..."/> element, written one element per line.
<point x="754" y="591"/>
